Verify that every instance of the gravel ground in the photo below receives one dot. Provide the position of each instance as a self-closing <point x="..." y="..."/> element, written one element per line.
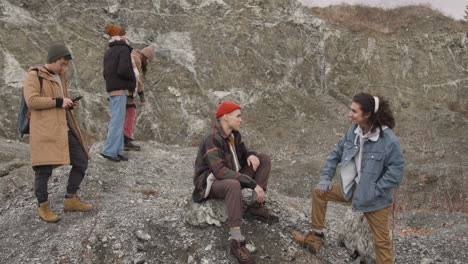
<point x="141" y="206"/>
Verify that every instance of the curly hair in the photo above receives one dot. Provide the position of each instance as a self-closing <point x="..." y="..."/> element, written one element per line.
<point x="384" y="115"/>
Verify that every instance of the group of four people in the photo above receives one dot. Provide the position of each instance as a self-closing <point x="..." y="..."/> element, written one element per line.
<point x="371" y="160"/>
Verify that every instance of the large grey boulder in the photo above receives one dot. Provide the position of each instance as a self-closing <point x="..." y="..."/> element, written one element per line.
<point x="210" y="212"/>
<point x="355" y="234"/>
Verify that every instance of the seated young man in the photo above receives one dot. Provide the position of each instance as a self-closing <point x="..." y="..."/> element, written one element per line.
<point x="224" y="166"/>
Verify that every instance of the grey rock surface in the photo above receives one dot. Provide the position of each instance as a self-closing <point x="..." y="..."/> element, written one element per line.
<point x="211" y="212"/>
<point x="354" y="233"/>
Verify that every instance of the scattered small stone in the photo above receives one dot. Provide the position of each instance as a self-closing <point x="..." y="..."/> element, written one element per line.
<point x="139" y="260"/>
<point x="426" y="261"/>
<point x="251" y="248"/>
<point x="141" y="247"/>
<point x="190" y="260"/>
<point x="141" y="235"/>
<point x="117" y="246"/>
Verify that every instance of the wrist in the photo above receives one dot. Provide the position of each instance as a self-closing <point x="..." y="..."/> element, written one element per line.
<point x="58" y="102"/>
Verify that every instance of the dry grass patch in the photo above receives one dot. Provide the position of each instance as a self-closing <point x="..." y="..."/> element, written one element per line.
<point x="146" y="193"/>
<point x="455" y="106"/>
<point x="376" y="19"/>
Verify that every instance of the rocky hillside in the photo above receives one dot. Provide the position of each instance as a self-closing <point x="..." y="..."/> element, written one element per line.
<point x="291" y="69"/>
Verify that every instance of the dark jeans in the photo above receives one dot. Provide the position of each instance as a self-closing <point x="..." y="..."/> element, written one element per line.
<point x="79" y="164"/>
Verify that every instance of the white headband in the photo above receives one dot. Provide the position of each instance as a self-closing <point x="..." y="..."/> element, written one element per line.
<point x="376" y="102"/>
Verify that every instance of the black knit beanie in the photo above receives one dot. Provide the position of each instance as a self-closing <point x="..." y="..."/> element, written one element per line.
<point x="56" y="52"/>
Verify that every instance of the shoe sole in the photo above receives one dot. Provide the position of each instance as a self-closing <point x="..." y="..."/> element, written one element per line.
<point x="111" y="159"/>
<point x="129" y="148"/>
<point x="250" y="216"/>
<point x="55" y="221"/>
<point x="126" y="159"/>
<point x="71" y="210"/>
<point x="309" y="248"/>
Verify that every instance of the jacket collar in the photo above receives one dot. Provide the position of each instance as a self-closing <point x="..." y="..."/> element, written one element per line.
<point x="43" y="72"/>
<point x="119" y="42"/>
<point x="374" y="136"/>
<point x="221" y="132"/>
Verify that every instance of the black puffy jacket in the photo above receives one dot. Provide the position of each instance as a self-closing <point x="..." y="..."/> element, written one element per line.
<point x="118" y="70"/>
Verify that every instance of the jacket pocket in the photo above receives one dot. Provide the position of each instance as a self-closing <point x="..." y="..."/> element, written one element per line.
<point x="367" y="192"/>
<point x="372" y="163"/>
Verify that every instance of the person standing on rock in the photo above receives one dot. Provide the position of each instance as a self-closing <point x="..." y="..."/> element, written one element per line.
<point x="140" y="60"/>
<point x="372" y="167"/>
<point x="224" y="166"/>
<point x="55" y="138"/>
<point x="121" y="81"/>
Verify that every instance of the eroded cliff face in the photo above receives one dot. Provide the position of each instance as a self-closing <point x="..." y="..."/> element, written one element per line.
<point x="293" y="74"/>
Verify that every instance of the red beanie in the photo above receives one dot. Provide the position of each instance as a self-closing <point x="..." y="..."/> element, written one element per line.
<point x="226" y="107"/>
<point x="114" y="30"/>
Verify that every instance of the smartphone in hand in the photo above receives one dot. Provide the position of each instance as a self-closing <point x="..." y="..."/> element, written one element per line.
<point x="76" y="99"/>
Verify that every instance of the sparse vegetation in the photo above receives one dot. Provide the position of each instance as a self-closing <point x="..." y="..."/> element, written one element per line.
<point x="376" y="19"/>
<point x="455" y="106"/>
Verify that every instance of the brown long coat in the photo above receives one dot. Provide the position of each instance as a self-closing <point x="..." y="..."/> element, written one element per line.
<point x="48" y="138"/>
<point x="136" y="56"/>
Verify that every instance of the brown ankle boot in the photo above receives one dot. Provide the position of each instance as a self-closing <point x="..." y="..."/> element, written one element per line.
<point x="46" y="214"/>
<point x="309" y="240"/>
<point x="259" y="211"/>
<point x="241" y="253"/>
<point x="75" y="204"/>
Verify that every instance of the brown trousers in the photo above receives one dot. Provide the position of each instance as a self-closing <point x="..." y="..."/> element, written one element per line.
<point x="378" y="221"/>
<point x="230" y="189"/>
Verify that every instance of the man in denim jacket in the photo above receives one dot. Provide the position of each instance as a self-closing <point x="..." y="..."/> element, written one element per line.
<point x="372" y="167"/>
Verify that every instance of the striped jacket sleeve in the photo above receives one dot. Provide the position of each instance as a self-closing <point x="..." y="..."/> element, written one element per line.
<point x="215" y="157"/>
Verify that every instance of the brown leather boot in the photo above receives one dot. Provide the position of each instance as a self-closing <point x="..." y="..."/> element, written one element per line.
<point x="75" y="204"/>
<point x="46" y="214"/>
<point x="241" y="253"/>
<point x="259" y="211"/>
<point x="309" y="240"/>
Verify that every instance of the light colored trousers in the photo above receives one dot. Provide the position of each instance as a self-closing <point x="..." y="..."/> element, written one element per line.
<point x="114" y="144"/>
<point x="378" y="221"/>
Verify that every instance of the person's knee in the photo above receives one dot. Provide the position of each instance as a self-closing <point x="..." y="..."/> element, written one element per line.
<point x="316" y="193"/>
<point x="264" y="158"/>
<point x="233" y="185"/>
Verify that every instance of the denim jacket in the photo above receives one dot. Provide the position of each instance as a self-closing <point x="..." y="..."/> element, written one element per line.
<point x="381" y="169"/>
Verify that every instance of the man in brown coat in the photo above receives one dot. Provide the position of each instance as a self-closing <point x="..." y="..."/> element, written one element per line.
<point x="55" y="138"/>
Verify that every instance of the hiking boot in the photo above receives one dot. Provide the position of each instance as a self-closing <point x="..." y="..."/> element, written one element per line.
<point x="310" y="240"/>
<point x="128" y="145"/>
<point x="114" y="159"/>
<point x="75" y="204"/>
<point x="122" y="157"/>
<point x="46" y="214"/>
<point x="259" y="211"/>
<point x="241" y="253"/>
<point x="242" y="241"/>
